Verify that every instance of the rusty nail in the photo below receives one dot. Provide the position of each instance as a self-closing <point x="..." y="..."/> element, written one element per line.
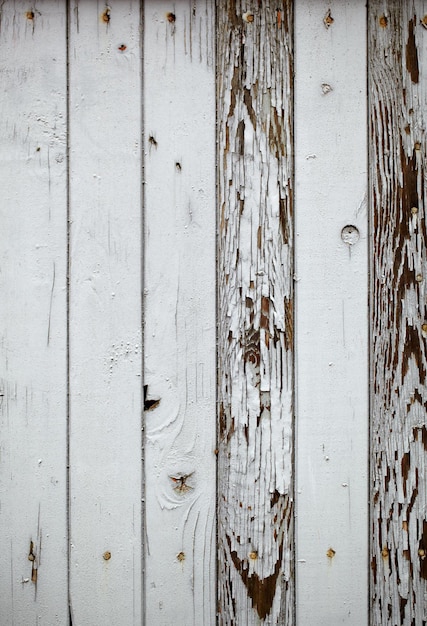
<point x="171" y="17"/>
<point x="328" y="19"/>
<point x="383" y="21"/>
<point x="330" y="553"/>
<point x="106" y="556"/>
<point x="180" y="557"/>
<point x="253" y="555"/>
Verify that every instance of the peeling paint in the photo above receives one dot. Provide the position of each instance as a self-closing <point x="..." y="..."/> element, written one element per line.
<point x="255" y="314"/>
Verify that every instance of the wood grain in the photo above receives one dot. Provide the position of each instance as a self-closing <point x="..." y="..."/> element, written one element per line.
<point x="255" y="309"/>
<point x="179" y="311"/>
<point x="33" y="310"/>
<point x="105" y="312"/>
<point x="397" y="89"/>
<point x="331" y="320"/>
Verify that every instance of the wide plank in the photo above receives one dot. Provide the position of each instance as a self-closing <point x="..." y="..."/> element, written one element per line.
<point x="397" y="114"/>
<point x="255" y="313"/>
<point x="331" y="273"/>
<point x="33" y="314"/>
<point x="179" y="312"/>
<point x="105" y="312"/>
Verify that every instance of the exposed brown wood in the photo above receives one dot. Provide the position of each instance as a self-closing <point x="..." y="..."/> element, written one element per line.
<point x="397" y="87"/>
<point x="255" y="489"/>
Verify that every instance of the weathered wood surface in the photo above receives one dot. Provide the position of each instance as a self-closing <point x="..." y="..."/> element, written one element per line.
<point x="255" y="313"/>
<point x="331" y="312"/>
<point x="179" y="309"/>
<point x="105" y="312"/>
<point x="398" y="90"/>
<point x="33" y="261"/>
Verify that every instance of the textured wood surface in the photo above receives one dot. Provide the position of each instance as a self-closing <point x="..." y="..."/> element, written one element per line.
<point x="255" y="300"/>
<point x="179" y="307"/>
<point x="331" y="320"/>
<point x="398" y="90"/>
<point x="33" y="262"/>
<point x="105" y="312"/>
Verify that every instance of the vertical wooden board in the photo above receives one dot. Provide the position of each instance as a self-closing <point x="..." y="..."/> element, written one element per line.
<point x="331" y="312"/>
<point x="398" y="91"/>
<point x="105" y="312"/>
<point x="33" y="262"/>
<point x="179" y="325"/>
<point x="255" y="308"/>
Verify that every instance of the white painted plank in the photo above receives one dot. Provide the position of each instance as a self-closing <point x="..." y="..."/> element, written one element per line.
<point x="33" y="268"/>
<point x="105" y="313"/>
<point x="331" y="312"/>
<point x="179" y="120"/>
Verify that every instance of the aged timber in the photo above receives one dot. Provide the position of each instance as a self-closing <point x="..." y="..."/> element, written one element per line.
<point x="255" y="490"/>
<point x="397" y="81"/>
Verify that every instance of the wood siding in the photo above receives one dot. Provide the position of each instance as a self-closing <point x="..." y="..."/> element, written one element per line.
<point x="33" y="314"/>
<point x="179" y="312"/>
<point x="397" y="92"/>
<point x="105" y="362"/>
<point x="213" y="313"/>
<point x="331" y="321"/>
<point x="255" y="308"/>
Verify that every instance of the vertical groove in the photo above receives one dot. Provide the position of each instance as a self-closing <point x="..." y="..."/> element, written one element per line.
<point x="370" y="303"/>
<point x="68" y="469"/>
<point x="143" y="501"/>
<point x="217" y="315"/>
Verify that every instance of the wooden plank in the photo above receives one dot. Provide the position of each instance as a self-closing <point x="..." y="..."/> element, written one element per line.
<point x="179" y="323"/>
<point x="255" y="338"/>
<point x="331" y="315"/>
<point x="398" y="90"/>
<point x="105" y="312"/>
<point x="33" y="270"/>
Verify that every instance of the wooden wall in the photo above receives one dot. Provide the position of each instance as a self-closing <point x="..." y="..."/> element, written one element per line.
<point x="212" y="313"/>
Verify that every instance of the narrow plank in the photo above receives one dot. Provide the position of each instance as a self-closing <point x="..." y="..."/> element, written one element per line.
<point x="105" y="312"/>
<point x="179" y="322"/>
<point x="255" y="336"/>
<point x="33" y="270"/>
<point x="331" y="312"/>
<point x="398" y="91"/>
